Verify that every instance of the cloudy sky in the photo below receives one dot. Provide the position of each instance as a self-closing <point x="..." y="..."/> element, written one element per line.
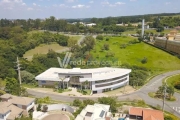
<point x="23" y="9"/>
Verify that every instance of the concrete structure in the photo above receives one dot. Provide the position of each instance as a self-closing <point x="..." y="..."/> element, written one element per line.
<point x="171" y="42"/>
<point x="91" y="24"/>
<point x="95" y="112"/>
<point x="97" y="79"/>
<point x="136" y="113"/>
<point x="142" y="32"/>
<point x="13" y="107"/>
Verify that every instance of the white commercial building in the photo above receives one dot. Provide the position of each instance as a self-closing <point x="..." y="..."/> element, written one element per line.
<point x="96" y="79"/>
<point x="95" y="112"/>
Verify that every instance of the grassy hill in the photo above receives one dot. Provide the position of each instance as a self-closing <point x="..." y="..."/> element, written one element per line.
<point x="134" y="53"/>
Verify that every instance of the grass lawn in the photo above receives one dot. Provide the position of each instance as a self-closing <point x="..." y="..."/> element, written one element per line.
<point x="85" y="91"/>
<point x="157" y="60"/>
<point x="170" y="81"/>
<point x="43" y="49"/>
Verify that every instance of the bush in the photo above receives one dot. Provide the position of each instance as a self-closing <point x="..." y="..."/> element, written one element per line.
<point x="177" y="85"/>
<point x="144" y="60"/>
<point x="107" y="39"/>
<point x="106" y="46"/>
<point x="123" y="46"/>
<point x="39" y="107"/>
<point x="99" y="37"/>
<point x="77" y="103"/>
<point x="110" y="54"/>
<point x="168" y="118"/>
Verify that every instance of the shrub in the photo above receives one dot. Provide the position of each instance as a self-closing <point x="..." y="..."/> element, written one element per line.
<point x="99" y="37"/>
<point x="110" y="54"/>
<point x="168" y="118"/>
<point x="123" y="46"/>
<point x="39" y="107"/>
<point x="106" y="46"/>
<point x="144" y="60"/>
<point x="77" y="103"/>
<point x="107" y="39"/>
<point x="177" y="85"/>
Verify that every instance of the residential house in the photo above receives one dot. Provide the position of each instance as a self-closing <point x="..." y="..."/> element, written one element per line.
<point x="95" y="112"/>
<point x="12" y="107"/>
<point x="137" y="113"/>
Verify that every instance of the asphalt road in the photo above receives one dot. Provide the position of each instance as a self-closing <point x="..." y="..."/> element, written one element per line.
<point x="152" y="86"/>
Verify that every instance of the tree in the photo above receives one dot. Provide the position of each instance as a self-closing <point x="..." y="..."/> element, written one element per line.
<point x="87" y="43"/>
<point x="112" y="101"/>
<point x="27" y="77"/>
<point x="88" y="102"/>
<point x="85" y="84"/>
<point x="99" y="37"/>
<point x="77" y="103"/>
<point x="12" y="86"/>
<point x="39" y="107"/>
<point x="170" y="91"/>
<point x="106" y="46"/>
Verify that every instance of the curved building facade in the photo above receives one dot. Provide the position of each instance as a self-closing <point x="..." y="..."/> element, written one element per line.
<point x="98" y="79"/>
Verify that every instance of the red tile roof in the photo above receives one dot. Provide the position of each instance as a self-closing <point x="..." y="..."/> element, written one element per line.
<point x="147" y="114"/>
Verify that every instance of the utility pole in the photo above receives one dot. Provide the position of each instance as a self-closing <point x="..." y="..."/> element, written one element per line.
<point x="164" y="98"/>
<point x="19" y="70"/>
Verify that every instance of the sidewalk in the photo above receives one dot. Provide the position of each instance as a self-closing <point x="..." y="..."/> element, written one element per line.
<point x="74" y="92"/>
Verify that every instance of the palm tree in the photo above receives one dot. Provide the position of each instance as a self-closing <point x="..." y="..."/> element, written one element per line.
<point x="62" y="80"/>
<point x="85" y="84"/>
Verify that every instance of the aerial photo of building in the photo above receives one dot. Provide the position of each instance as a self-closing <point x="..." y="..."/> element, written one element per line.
<point x="171" y="42"/>
<point x="98" y="79"/>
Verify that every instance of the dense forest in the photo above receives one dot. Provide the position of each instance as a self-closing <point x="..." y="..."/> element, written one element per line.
<point x="103" y="25"/>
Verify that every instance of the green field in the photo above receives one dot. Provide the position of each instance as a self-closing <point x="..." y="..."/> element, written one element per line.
<point x="133" y="54"/>
<point x="170" y="81"/>
<point x="43" y="49"/>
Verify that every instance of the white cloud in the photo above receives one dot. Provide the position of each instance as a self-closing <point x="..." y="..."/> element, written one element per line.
<point x="34" y="4"/>
<point x="91" y="1"/>
<point x="105" y="3"/>
<point x="120" y="3"/>
<point x="80" y="6"/>
<point x="29" y="8"/>
<point x="133" y="0"/>
<point x="70" y="1"/>
<point x="24" y="4"/>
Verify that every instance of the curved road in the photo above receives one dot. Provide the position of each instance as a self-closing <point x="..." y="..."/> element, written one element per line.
<point x="152" y="86"/>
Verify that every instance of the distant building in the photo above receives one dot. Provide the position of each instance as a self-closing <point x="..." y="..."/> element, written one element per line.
<point x="171" y="42"/>
<point x="95" y="112"/>
<point x="91" y="24"/>
<point x="98" y="79"/>
<point x="12" y="107"/>
<point x="137" y="113"/>
<point x="177" y="28"/>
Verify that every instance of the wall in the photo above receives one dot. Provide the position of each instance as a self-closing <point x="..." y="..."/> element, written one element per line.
<point x="59" y="107"/>
<point x="46" y="83"/>
<point x="172" y="46"/>
<point x="31" y="105"/>
<point x="105" y="85"/>
<point x="4" y="117"/>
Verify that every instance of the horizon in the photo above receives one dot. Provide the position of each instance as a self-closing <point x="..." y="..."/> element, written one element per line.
<point x="81" y="9"/>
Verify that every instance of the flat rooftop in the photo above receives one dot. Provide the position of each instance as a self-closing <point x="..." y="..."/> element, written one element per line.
<point x="96" y="73"/>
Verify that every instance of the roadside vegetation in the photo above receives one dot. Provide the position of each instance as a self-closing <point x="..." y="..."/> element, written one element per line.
<point x="175" y="82"/>
<point x="160" y="93"/>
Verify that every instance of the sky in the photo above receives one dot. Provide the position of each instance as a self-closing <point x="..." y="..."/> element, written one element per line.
<point x="24" y="9"/>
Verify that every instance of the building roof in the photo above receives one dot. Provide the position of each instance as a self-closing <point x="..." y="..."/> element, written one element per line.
<point x="95" y="112"/>
<point x="22" y="100"/>
<point x="147" y="114"/>
<point x="15" y="111"/>
<point x="94" y="74"/>
<point x="6" y="96"/>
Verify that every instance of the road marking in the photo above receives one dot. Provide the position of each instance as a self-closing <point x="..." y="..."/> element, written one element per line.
<point x="177" y="109"/>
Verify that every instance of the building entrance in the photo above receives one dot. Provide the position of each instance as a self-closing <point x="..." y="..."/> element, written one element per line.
<point x="74" y="82"/>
